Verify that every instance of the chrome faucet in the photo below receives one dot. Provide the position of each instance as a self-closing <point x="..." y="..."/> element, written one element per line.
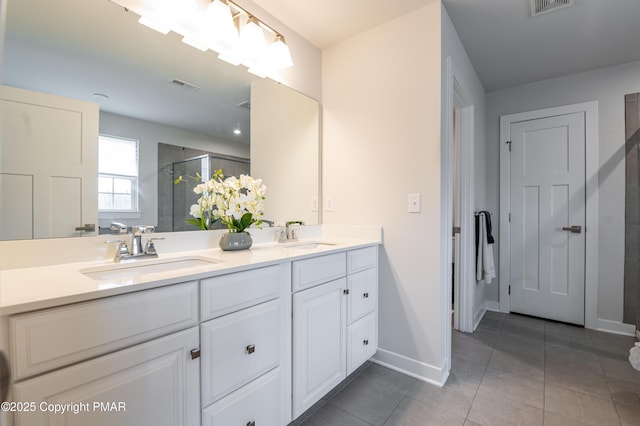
<point x="120" y="227"/>
<point x="136" y="238"/>
<point x="134" y="251"/>
<point x="291" y="234"/>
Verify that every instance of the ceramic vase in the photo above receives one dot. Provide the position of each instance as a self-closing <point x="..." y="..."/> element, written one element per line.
<point x="231" y="241"/>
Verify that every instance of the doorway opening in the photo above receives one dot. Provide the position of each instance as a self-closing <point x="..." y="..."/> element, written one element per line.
<point x="457" y="245"/>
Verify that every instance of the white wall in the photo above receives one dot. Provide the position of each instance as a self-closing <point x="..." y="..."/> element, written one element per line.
<point x="465" y="74"/>
<point x="149" y="134"/>
<point x="607" y="86"/>
<point x="381" y="141"/>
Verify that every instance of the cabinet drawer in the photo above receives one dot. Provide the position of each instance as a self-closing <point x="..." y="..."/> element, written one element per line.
<point x="229" y="293"/>
<point x="52" y="338"/>
<point x="256" y="403"/>
<point x="362" y="341"/>
<point x="363" y="294"/>
<point x="360" y="259"/>
<point x="238" y="348"/>
<point x="154" y="383"/>
<point x="311" y="272"/>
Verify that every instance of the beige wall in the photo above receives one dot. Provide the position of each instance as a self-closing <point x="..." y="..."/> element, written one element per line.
<point x="381" y="141"/>
<point x="285" y="131"/>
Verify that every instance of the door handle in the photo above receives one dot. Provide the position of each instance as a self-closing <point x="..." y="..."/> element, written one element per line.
<point x="88" y="227"/>
<point x="575" y="229"/>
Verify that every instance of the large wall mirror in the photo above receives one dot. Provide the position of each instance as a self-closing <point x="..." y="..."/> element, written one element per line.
<point x="182" y="107"/>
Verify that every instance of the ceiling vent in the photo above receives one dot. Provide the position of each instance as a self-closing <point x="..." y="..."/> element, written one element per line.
<point x="540" y="7"/>
<point x="184" y="84"/>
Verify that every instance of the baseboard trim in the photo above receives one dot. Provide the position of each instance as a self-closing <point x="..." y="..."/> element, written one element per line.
<point x="411" y="367"/>
<point x="477" y="317"/>
<point x="492" y="305"/>
<point x="616" y="327"/>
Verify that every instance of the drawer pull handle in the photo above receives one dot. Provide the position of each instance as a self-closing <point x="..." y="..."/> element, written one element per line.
<point x="365" y="295"/>
<point x="365" y="342"/>
<point x="195" y="353"/>
<point x="251" y="349"/>
<point x="251" y="423"/>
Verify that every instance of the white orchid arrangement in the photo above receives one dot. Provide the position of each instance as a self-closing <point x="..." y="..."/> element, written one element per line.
<point x="237" y="202"/>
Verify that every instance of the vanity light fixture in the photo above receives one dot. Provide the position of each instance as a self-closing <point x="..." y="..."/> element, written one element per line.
<point x="252" y="42"/>
<point x="220" y="25"/>
<point x="220" y="28"/>
<point x="194" y="43"/>
<point x="150" y="23"/>
<point x="280" y="53"/>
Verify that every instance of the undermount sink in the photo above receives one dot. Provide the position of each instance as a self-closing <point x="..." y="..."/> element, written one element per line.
<point x="119" y="271"/>
<point x="310" y="245"/>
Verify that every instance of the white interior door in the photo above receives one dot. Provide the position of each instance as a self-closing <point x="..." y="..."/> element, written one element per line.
<point x="48" y="172"/>
<point x="548" y="217"/>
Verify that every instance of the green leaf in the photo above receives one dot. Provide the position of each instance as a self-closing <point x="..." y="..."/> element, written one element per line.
<point x="195" y="222"/>
<point x="246" y="220"/>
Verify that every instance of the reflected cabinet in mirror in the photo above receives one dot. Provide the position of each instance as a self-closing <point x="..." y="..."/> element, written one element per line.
<point x="100" y="113"/>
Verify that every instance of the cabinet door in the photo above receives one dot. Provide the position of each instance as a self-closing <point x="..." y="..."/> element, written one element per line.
<point x="319" y="342"/>
<point x="155" y="383"/>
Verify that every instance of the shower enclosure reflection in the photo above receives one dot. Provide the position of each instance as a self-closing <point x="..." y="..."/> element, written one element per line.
<point x="174" y="201"/>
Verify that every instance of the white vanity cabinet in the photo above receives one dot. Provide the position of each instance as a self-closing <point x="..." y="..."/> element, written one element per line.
<point x="362" y="306"/>
<point x="334" y="321"/>
<point x="247" y="345"/>
<point x="245" y="342"/>
<point x="122" y="360"/>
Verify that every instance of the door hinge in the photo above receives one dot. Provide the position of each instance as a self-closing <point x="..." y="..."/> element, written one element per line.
<point x="509" y="145"/>
<point x="345" y="291"/>
<point x="509" y="216"/>
<point x="509" y="290"/>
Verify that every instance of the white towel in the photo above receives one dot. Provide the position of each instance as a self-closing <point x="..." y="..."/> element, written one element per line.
<point x="485" y="268"/>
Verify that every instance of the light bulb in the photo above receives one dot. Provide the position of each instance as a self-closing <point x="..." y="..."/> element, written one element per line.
<point x="221" y="30"/>
<point x="252" y="43"/>
<point x="279" y="54"/>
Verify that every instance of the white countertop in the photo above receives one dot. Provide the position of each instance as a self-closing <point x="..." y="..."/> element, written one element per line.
<point x="27" y="289"/>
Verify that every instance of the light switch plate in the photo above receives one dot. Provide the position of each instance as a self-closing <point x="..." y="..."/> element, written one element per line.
<point x="414" y="203"/>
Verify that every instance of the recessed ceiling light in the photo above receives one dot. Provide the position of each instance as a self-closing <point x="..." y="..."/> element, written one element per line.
<point x="101" y="96"/>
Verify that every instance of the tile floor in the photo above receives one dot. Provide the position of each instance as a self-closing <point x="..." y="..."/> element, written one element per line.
<point x="514" y="370"/>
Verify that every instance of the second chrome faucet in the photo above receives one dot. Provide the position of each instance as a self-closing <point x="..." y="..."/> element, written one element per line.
<point x="134" y="251"/>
